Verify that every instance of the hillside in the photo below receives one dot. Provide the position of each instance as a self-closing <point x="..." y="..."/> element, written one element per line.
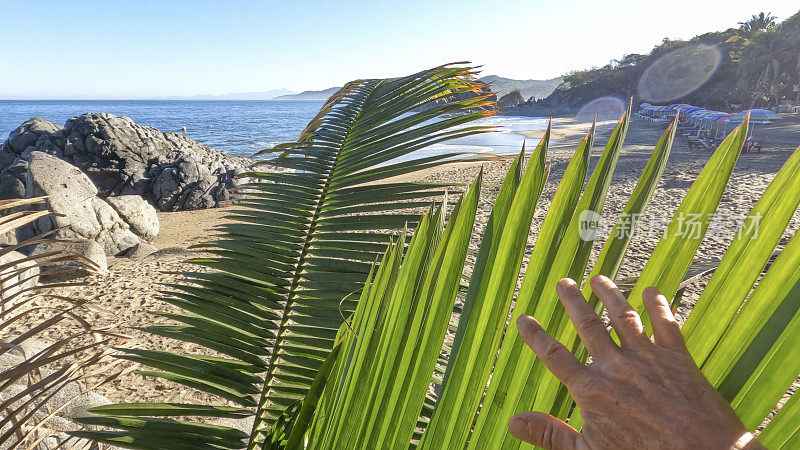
<point x="310" y="95"/>
<point x="754" y="65"/>
<point x="528" y="88"/>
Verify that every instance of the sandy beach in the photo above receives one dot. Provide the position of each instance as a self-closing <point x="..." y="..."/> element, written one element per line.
<point x="128" y="292"/>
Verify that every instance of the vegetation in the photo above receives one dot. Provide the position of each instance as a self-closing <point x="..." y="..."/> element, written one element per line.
<point x="306" y="246"/>
<point x="374" y="392"/>
<point x="760" y="67"/>
<point x="37" y="373"/>
<point x="290" y="267"/>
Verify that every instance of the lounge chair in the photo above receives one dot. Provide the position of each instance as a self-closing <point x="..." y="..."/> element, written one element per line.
<point x="753" y="145"/>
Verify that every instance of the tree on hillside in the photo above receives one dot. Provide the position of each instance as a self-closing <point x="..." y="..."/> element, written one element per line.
<point x="759" y="22"/>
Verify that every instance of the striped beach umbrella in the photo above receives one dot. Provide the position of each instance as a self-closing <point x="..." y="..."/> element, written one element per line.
<point x="712" y="116"/>
<point x="699" y="113"/>
<point x="722" y="119"/>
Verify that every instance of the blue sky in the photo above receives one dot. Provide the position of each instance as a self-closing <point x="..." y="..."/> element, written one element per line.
<point x="138" y="49"/>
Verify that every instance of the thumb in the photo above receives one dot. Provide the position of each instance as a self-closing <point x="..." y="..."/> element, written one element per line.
<point x="543" y="430"/>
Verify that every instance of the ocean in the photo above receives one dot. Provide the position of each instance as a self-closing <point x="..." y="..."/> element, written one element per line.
<point x="243" y="127"/>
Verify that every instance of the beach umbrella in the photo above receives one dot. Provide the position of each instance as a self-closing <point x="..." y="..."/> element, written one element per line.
<point x="688" y="109"/>
<point x="699" y="113"/>
<point x="756" y="115"/>
<point x="722" y="119"/>
<point x="712" y="116"/>
<point x="752" y="122"/>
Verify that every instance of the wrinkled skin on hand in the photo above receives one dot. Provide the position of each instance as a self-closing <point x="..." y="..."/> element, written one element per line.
<point x="641" y="394"/>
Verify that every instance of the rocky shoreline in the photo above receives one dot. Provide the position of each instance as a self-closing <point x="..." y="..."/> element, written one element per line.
<point x="106" y="177"/>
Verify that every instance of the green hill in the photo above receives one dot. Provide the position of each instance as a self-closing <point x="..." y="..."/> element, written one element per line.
<point x="754" y="65"/>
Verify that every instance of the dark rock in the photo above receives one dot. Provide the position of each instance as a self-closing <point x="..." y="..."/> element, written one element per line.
<point x="513" y="98"/>
<point x="170" y="170"/>
<point x="140" y="251"/>
<point x="29" y="133"/>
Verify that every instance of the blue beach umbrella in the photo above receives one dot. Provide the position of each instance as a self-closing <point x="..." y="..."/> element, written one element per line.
<point x="756" y="115"/>
<point x="752" y="122"/>
<point x="688" y="109"/>
<point x="712" y="116"/>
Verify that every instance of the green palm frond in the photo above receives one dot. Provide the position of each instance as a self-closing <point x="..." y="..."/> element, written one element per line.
<point x="326" y="240"/>
<point x="301" y="241"/>
<point x="743" y="341"/>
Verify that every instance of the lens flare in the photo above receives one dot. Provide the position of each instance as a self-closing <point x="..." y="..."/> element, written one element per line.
<point x="605" y="108"/>
<point x="679" y="72"/>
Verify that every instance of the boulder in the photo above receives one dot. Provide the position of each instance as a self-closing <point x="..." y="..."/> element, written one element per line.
<point x="121" y="157"/>
<point x="139" y="215"/>
<point x="140" y="250"/>
<point x="15" y="276"/>
<point x="79" y="213"/>
<point x="513" y="98"/>
<point x="90" y="256"/>
<point x="30" y="133"/>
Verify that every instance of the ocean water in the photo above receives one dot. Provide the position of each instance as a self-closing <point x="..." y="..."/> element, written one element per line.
<point x="243" y="127"/>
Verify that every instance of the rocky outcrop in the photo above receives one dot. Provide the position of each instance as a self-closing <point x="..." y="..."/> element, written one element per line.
<point x="79" y="214"/>
<point x="510" y="100"/>
<point x="124" y="158"/>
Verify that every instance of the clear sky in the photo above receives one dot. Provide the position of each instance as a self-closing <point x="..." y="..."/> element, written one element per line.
<point x="142" y="48"/>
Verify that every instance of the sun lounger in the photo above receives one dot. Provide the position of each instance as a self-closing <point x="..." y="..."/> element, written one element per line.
<point x="695" y="142"/>
<point x="753" y="145"/>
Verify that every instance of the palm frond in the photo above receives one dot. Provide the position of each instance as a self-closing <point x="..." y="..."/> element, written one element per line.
<point x="303" y="237"/>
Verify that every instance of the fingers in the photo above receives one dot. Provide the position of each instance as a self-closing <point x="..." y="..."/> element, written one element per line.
<point x="590" y="328"/>
<point x="666" y="331"/>
<point x="555" y="356"/>
<point x="624" y="318"/>
<point x="543" y="430"/>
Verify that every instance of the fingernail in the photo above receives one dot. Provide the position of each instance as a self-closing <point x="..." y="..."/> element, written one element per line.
<point x="522" y="321"/>
<point x="565" y="285"/>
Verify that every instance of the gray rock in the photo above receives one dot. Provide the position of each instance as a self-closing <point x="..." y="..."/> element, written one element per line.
<point x="141" y="250"/>
<point x="79" y="213"/>
<point x="138" y="214"/>
<point x="30" y="132"/>
<point x="90" y="256"/>
<point x="16" y="277"/>
<point x="174" y="252"/>
<point x="170" y="170"/>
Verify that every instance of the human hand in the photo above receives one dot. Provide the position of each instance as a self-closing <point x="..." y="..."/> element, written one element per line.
<point x="640" y="394"/>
